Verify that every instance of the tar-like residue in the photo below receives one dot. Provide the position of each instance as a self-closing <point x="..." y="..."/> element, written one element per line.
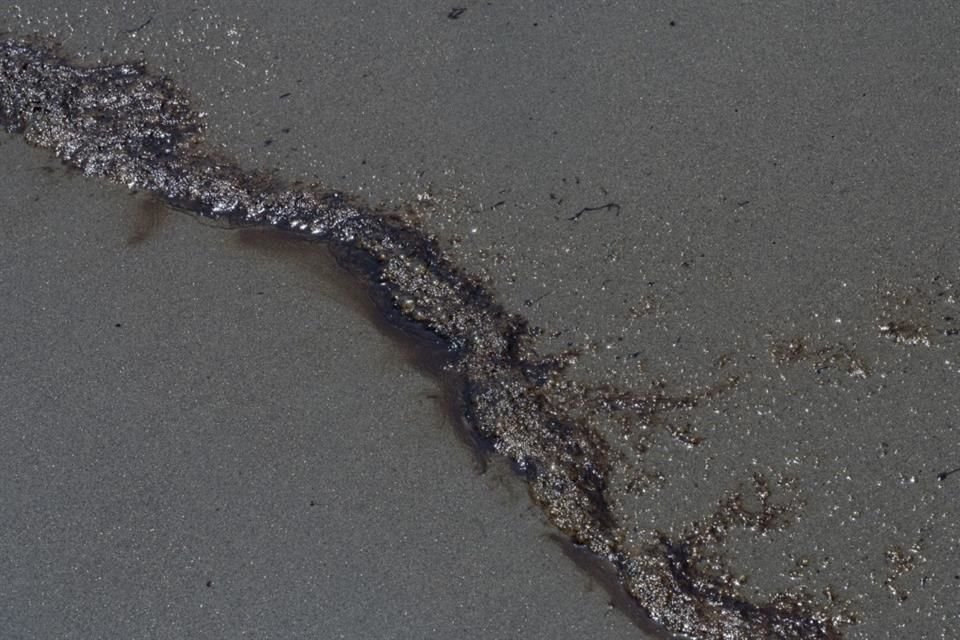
<point x="126" y="125"/>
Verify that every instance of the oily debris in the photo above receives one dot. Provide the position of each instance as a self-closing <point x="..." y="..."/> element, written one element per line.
<point x="919" y="312"/>
<point x="901" y="562"/>
<point x="824" y="359"/>
<point x="123" y="124"/>
<point x="705" y="597"/>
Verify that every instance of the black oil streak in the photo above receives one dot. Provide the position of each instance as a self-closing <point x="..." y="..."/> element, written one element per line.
<point x="142" y="26"/>
<point x="530" y="303"/>
<point x="610" y="206"/>
<point x="943" y="475"/>
<point x="456" y="12"/>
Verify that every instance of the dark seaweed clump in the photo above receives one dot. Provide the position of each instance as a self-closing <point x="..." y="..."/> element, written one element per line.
<point x="124" y="124"/>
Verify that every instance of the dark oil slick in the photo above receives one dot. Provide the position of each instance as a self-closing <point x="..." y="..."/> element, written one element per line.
<point x="124" y="124"/>
<point x="148" y="218"/>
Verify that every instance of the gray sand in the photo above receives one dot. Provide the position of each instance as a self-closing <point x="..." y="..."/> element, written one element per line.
<point x="201" y="441"/>
<point x="786" y="194"/>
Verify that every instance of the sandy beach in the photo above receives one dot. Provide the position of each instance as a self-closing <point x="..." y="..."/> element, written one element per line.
<point x="753" y="210"/>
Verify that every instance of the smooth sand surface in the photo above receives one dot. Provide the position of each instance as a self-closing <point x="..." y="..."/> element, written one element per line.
<point x="767" y="193"/>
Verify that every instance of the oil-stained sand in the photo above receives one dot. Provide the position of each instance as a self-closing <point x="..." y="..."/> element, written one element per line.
<point x="120" y="123"/>
<point x="806" y="255"/>
<point x="201" y="439"/>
